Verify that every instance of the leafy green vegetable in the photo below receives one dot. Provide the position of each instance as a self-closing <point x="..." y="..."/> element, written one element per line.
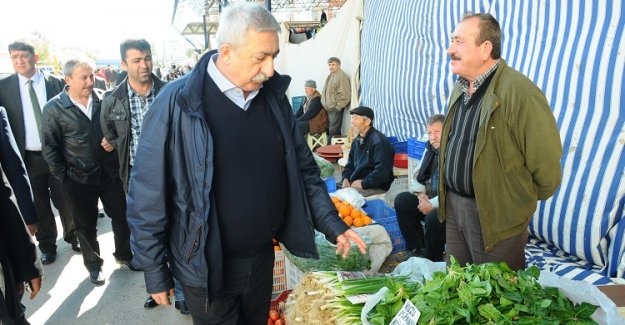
<point x="492" y="293"/>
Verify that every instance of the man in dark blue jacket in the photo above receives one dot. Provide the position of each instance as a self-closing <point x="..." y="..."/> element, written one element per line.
<point x="221" y="169"/>
<point x="18" y="255"/>
<point x="369" y="168"/>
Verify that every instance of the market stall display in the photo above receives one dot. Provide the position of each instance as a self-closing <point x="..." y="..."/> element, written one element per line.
<point x="488" y="293"/>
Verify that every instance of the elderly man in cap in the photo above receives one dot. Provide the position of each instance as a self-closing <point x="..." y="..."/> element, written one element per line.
<point x="311" y="117"/>
<point x="369" y="168"/>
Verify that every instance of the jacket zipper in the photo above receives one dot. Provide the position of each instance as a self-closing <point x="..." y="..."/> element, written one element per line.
<point x="195" y="243"/>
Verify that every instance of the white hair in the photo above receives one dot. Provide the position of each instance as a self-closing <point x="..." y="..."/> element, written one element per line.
<point x="240" y="17"/>
<point x="71" y="65"/>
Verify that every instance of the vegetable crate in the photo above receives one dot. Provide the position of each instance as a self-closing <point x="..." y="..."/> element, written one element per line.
<point x="387" y="218"/>
<point x="293" y="274"/>
<point x="400" y="184"/>
<point x="279" y="273"/>
<point x="330" y="183"/>
<point x="279" y="298"/>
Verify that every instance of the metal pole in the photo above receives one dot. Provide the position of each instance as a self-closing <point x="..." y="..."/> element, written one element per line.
<point x="205" y="33"/>
<point x="268" y="5"/>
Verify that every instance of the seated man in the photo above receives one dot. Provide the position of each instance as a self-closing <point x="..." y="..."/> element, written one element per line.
<point x="412" y="209"/>
<point x="312" y="117"/>
<point x="369" y="168"/>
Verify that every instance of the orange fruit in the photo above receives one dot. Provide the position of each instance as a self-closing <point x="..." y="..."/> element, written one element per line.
<point x="355" y="213"/>
<point x="345" y="210"/>
<point x="358" y="222"/>
<point x="277" y="248"/>
<point x="348" y="220"/>
<point x="366" y="220"/>
<point x="335" y="200"/>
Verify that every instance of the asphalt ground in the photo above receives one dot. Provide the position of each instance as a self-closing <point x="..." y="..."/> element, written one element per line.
<point x="68" y="297"/>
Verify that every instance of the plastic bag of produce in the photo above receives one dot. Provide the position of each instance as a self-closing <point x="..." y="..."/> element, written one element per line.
<point x="326" y="167"/>
<point x="350" y="196"/>
<point x="329" y="260"/>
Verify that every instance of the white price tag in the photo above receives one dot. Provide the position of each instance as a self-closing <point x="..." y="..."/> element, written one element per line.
<point x="407" y="315"/>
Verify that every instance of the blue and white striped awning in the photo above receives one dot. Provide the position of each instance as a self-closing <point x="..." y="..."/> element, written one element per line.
<point x="573" y="50"/>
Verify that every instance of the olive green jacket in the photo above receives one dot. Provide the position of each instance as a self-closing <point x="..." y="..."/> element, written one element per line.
<point x="517" y="154"/>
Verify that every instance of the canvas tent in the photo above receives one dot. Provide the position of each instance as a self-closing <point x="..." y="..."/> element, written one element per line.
<point x="572" y="51"/>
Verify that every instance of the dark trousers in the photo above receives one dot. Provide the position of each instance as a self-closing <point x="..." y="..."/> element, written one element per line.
<point x="409" y="219"/>
<point x="335" y="121"/>
<point x="84" y="202"/>
<point x="246" y="295"/>
<point x="44" y="187"/>
<point x="466" y="243"/>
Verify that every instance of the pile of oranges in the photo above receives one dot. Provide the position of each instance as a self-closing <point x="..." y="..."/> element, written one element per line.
<point x="351" y="216"/>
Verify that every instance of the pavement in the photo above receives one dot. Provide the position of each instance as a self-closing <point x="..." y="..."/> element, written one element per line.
<point x="68" y="297"/>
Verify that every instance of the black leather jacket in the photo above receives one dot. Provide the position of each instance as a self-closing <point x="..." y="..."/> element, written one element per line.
<point x="71" y="141"/>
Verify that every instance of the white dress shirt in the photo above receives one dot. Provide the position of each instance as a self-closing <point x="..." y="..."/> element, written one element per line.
<point x="87" y="110"/>
<point x="33" y="140"/>
<point x="234" y="93"/>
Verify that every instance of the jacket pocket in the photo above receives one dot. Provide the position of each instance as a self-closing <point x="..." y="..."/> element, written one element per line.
<point x="118" y="116"/>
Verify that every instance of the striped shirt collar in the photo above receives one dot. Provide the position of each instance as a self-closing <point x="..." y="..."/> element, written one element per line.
<point x="464" y="83"/>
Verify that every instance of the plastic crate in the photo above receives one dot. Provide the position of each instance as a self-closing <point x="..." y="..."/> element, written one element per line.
<point x="416" y="148"/>
<point x="278" y="299"/>
<point x="400" y="147"/>
<point x="293" y="274"/>
<point x="413" y="168"/>
<point x="399" y="185"/>
<point x="279" y="273"/>
<point x="387" y="218"/>
<point x="330" y="183"/>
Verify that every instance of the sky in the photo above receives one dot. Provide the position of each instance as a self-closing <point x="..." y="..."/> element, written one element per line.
<point x="97" y="25"/>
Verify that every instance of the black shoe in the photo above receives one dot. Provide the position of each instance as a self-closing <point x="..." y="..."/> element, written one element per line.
<point x="182" y="306"/>
<point x="150" y="303"/>
<point x="414" y="252"/>
<point x="96" y="277"/>
<point x="128" y="264"/>
<point x="76" y="246"/>
<point x="48" y="258"/>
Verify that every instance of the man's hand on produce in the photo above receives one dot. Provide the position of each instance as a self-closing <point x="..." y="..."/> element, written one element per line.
<point x="343" y="243"/>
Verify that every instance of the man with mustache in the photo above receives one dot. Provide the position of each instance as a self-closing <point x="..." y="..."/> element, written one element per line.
<point x="123" y="110"/>
<point x="500" y="150"/>
<point x="79" y="157"/>
<point x="220" y="170"/>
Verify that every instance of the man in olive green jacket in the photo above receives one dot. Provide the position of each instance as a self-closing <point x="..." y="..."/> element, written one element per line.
<point x="500" y="150"/>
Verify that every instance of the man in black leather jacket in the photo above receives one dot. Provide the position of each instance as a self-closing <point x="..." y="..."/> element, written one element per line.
<point x="74" y="149"/>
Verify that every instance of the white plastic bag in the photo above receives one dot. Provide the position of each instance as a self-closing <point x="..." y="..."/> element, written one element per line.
<point x="350" y="196"/>
<point x="582" y="291"/>
<point x="418" y="269"/>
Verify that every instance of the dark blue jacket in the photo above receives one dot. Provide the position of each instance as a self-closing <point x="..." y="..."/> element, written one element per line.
<point x="171" y="209"/>
<point x="13" y="167"/>
<point x="371" y="160"/>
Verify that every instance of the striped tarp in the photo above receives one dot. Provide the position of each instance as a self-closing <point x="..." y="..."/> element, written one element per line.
<point x="573" y="50"/>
